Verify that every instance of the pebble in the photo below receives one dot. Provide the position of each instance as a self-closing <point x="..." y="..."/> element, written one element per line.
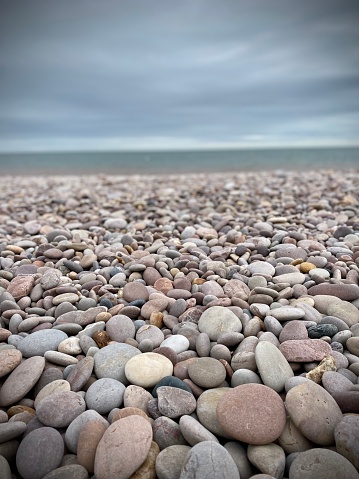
<point x="123" y="448"/>
<point x="39" y="453"/>
<point x="252" y="413"/>
<point x="314" y="411"/>
<point x="321" y="464"/>
<point x="214" y="276"/>
<point x="38" y="343"/>
<point x="347" y="439"/>
<point x="268" y="458"/>
<point x="218" y="320"/>
<point x="21" y="380"/>
<point x="60" y="409"/>
<point x="209" y="459"/>
<point x="170" y="461"/>
<point x="273" y="367"/>
<point x="147" y="369"/>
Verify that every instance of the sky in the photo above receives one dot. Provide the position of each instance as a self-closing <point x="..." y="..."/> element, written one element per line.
<point x="166" y="74"/>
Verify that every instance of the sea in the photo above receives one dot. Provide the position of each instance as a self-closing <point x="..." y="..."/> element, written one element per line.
<point x="178" y="162"/>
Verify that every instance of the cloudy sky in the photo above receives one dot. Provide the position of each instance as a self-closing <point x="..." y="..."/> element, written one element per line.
<point x="163" y="74"/>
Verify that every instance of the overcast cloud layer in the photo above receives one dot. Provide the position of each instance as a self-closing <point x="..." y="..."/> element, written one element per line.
<point x="123" y="74"/>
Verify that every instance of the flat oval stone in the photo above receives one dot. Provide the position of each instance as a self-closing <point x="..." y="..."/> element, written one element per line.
<point x="320" y="330"/>
<point x="207" y="410"/>
<point x="151" y="332"/>
<point x="218" y="320"/>
<point x="104" y="395"/>
<point x="111" y="360"/>
<point x="22" y="379"/>
<point x="60" y="409"/>
<point x="252" y="413"/>
<point x="292" y="440"/>
<point x="174" y="402"/>
<point x="314" y="411"/>
<point x="9" y="360"/>
<point x="147" y="369"/>
<point x="61" y="359"/>
<point x="346" y="292"/>
<point x="70" y="346"/>
<point x="209" y="459"/>
<point x="290" y="278"/>
<point x="305" y="350"/>
<point x="321" y="464"/>
<point x="207" y="372"/>
<point x="347" y="438"/>
<point x="75" y="471"/>
<point x="334" y="382"/>
<point x="273" y="367"/>
<point x="345" y="311"/>
<point x="123" y="448"/>
<point x="286" y="313"/>
<point x="73" y="431"/>
<point x="135" y="290"/>
<point x="36" y="344"/>
<point x="39" y="453"/>
<point x="20" y="286"/>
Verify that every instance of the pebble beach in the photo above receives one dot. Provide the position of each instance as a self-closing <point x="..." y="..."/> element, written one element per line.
<point x="200" y="326"/>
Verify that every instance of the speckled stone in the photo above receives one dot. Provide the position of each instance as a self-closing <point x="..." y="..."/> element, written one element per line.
<point x="166" y="433"/>
<point x="60" y="409"/>
<point x="174" y="402"/>
<point x="314" y="411"/>
<point x="347" y="438"/>
<point x="252" y="413"/>
<point x="120" y="327"/>
<point x="322" y="464"/>
<point x="268" y="458"/>
<point x="123" y="448"/>
<point x="346" y="292"/>
<point x="305" y="350"/>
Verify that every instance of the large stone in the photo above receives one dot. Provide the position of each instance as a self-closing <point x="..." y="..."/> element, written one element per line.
<point x="347" y="438"/>
<point x="147" y="369"/>
<point x="60" y="409"/>
<point x="218" y="320"/>
<point x="73" y="431"/>
<point x="252" y="413"/>
<point x="174" y="402"/>
<point x="305" y="350"/>
<point x="268" y="458"/>
<point x="89" y="438"/>
<point x="123" y="448"/>
<point x="110" y="361"/>
<point x="21" y="380"/>
<point x="207" y="372"/>
<point x="39" y="453"/>
<point x="321" y="464"/>
<point x="104" y="395"/>
<point x="346" y="292"/>
<point x="314" y="411"/>
<point x="38" y="343"/>
<point x="170" y="461"/>
<point x="21" y="286"/>
<point x="209" y="460"/>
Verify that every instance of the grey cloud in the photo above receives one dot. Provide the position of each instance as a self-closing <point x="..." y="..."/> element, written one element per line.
<point x="199" y="69"/>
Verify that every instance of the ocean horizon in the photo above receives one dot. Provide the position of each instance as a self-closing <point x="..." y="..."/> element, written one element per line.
<point x="178" y="162"/>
